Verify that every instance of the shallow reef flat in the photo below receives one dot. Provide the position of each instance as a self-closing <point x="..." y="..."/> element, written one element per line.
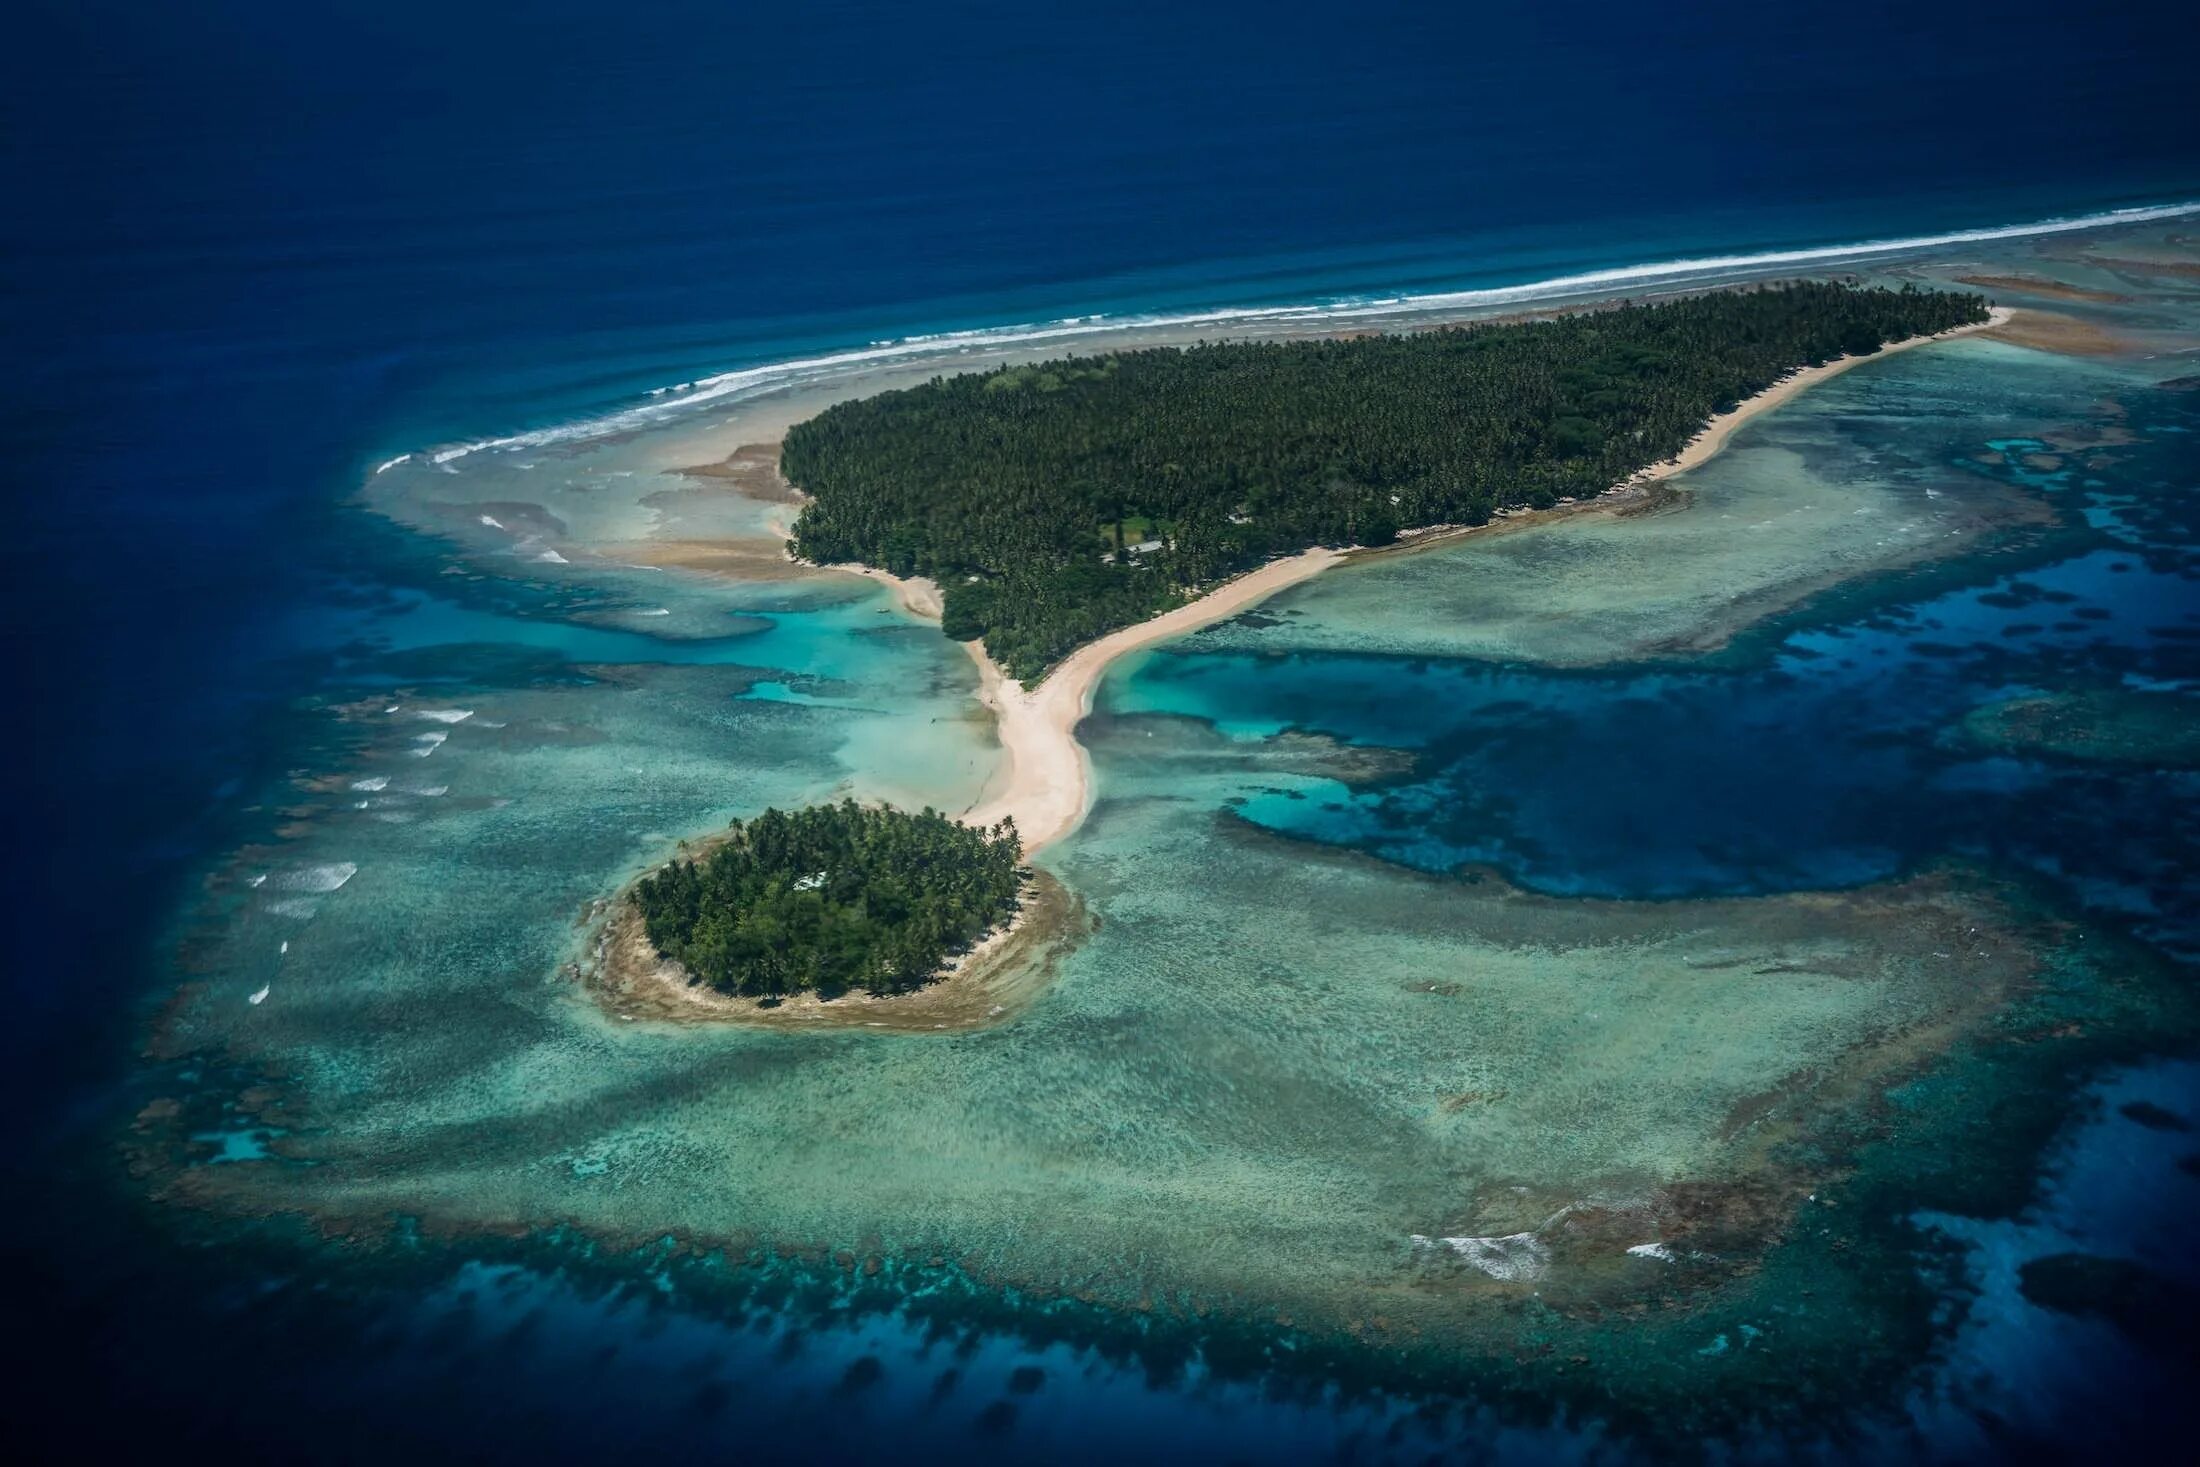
<point x="1284" y="1103"/>
<point x="1849" y="481"/>
<point x="1271" y="1105"/>
<point x="1429" y="1119"/>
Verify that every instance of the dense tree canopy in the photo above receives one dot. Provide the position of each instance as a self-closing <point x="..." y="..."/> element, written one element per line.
<point x="831" y="898"/>
<point x="1057" y="502"/>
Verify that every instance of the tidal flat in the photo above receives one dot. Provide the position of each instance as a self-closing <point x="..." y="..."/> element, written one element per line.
<point x="1492" y="991"/>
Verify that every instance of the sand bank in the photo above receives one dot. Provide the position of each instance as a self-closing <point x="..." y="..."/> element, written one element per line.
<point x="1716" y="432"/>
<point x="914" y="594"/>
<point x="751" y="470"/>
<point x="2039" y="286"/>
<point x="741" y="557"/>
<point x="2055" y="332"/>
<point x="2179" y="269"/>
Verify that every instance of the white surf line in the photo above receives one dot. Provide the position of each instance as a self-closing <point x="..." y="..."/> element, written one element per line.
<point x="750" y="381"/>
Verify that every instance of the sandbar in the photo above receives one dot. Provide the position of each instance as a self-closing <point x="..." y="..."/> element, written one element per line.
<point x="741" y="557"/>
<point x="752" y="470"/>
<point x="2055" y="332"/>
<point x="2040" y="286"/>
<point x="2161" y="269"/>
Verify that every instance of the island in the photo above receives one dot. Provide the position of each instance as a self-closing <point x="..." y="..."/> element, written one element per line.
<point x="1056" y="516"/>
<point x="832" y="898"/>
<point x="1057" y="502"/>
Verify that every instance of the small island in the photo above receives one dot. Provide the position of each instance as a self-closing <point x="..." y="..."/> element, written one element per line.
<point x="833" y="898"/>
<point x="1057" y="502"/>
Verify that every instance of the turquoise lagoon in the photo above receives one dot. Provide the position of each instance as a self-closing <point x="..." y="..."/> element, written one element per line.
<point x="1569" y="970"/>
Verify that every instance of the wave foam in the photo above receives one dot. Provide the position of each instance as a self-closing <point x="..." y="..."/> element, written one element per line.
<point x="429" y="743"/>
<point x="444" y="715"/>
<point x="1513" y="1258"/>
<point x="373" y="782"/>
<point x="753" y="381"/>
<point x="328" y="876"/>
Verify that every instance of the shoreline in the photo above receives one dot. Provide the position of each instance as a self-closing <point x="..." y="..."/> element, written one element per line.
<point x="1716" y="432"/>
<point x="991" y="983"/>
<point x="1046" y="780"/>
<point x="925" y="355"/>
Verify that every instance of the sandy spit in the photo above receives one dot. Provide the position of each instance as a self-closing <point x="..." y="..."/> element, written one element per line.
<point x="2053" y="331"/>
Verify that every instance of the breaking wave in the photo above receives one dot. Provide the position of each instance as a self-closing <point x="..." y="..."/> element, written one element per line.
<point x="752" y="381"/>
<point x="1512" y="1258"/>
<point x="326" y="877"/>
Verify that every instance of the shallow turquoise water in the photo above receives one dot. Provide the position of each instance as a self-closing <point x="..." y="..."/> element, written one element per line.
<point x="1278" y="1077"/>
<point x="250" y="260"/>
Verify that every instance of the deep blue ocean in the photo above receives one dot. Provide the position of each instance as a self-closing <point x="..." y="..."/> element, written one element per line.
<point x="253" y="248"/>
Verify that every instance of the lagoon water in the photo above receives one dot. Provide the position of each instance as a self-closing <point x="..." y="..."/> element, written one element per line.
<point x="1633" y="867"/>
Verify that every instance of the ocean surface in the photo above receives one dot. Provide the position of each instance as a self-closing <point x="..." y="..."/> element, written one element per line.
<point x="256" y="253"/>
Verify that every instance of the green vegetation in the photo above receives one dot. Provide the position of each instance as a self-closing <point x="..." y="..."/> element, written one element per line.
<point x="832" y="898"/>
<point x="1022" y="490"/>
